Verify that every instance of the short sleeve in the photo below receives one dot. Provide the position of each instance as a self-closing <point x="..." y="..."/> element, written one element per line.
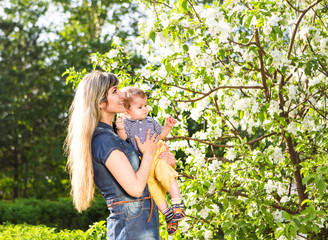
<point x="157" y="127"/>
<point x="103" y="145"/>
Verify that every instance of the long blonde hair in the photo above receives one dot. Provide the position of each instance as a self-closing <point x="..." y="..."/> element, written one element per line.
<point x="84" y="115"/>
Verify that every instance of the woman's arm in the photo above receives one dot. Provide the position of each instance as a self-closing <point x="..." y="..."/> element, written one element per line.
<point x="118" y="164"/>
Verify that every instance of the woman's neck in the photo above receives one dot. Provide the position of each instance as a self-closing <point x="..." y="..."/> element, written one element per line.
<point x="107" y="119"/>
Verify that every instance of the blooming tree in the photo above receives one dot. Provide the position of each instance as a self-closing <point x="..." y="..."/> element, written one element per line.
<point x="252" y="77"/>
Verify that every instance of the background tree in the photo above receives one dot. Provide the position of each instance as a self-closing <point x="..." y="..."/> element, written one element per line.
<point x="39" y="40"/>
<point x="253" y="75"/>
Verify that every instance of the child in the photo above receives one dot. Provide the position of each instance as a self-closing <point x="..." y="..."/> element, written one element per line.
<point x="162" y="176"/>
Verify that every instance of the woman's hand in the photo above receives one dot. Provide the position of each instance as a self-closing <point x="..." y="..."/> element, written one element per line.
<point x="168" y="156"/>
<point x="149" y="146"/>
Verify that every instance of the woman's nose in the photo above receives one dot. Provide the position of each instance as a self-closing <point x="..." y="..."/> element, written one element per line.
<point x="121" y="95"/>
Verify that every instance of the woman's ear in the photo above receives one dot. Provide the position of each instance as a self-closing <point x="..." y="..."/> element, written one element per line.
<point x="102" y="105"/>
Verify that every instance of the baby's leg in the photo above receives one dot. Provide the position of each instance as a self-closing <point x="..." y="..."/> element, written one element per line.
<point x="175" y="192"/>
<point x="162" y="206"/>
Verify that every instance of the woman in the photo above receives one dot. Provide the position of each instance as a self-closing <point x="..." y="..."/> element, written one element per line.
<point x="97" y="154"/>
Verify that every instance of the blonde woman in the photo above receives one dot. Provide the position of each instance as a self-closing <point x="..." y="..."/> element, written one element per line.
<point x="98" y="155"/>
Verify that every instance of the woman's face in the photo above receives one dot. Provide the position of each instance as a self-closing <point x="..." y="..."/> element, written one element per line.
<point x="114" y="103"/>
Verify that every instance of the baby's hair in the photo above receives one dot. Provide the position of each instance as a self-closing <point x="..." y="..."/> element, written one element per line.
<point x="130" y="93"/>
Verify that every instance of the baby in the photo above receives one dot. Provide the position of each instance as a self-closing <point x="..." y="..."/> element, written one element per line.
<point x="162" y="176"/>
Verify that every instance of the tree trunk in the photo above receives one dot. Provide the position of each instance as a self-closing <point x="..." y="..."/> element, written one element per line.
<point x="297" y="173"/>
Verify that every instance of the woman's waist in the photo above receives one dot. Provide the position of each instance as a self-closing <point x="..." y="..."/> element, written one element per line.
<point x="111" y="203"/>
<point x="126" y="199"/>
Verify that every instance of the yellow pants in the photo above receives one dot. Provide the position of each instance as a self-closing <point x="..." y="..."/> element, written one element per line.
<point x="161" y="177"/>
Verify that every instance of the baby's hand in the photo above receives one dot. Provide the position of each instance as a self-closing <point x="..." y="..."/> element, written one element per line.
<point x="120" y="123"/>
<point x="170" y="121"/>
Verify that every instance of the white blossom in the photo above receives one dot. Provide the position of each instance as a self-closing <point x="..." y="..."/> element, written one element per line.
<point x="285" y="199"/>
<point x="231" y="154"/>
<point x="164" y="20"/>
<point x="274" y="19"/>
<point x="112" y="53"/>
<point x="117" y="40"/>
<point x="214" y="165"/>
<point x="164" y="102"/>
<point x="291" y="128"/>
<point x="185" y="23"/>
<point x="162" y="71"/>
<point x="249" y="56"/>
<point x="160" y="38"/>
<point x="144" y="72"/>
<point x="279" y="59"/>
<point x="269" y="186"/>
<point x="277" y="215"/>
<point x="323" y="44"/>
<point x="273" y="108"/>
<point x="267" y="28"/>
<point x="208" y="234"/>
<point x="277" y="155"/>
<point x="304" y="33"/>
<point x="94" y="58"/>
<point x="243" y="104"/>
<point x="204" y="212"/>
<point x="114" y="65"/>
<point x="214" y="47"/>
<point x="314" y="81"/>
<point x="292" y="91"/>
<point x="194" y="51"/>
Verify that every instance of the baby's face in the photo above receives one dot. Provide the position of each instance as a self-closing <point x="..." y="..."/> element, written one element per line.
<point x="138" y="109"/>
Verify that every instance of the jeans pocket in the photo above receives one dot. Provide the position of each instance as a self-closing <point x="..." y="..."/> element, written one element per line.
<point x="133" y="209"/>
<point x="115" y="226"/>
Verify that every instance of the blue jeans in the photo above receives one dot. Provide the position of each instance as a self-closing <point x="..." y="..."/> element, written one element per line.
<point x="129" y="221"/>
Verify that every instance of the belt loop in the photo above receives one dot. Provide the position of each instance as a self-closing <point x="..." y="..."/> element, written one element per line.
<point x="151" y="208"/>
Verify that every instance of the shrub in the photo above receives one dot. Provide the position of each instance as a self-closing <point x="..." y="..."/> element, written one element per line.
<point x="25" y="231"/>
<point x="59" y="214"/>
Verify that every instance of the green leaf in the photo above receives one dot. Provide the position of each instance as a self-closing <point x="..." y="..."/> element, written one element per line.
<point x="185" y="47"/>
<point x="321" y="186"/>
<point x="241" y="114"/>
<point x="183" y="5"/>
<point x="152" y="35"/>
<point x="286" y="215"/>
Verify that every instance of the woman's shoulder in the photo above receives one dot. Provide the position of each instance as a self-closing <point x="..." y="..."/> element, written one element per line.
<point x="104" y="135"/>
<point x="103" y="143"/>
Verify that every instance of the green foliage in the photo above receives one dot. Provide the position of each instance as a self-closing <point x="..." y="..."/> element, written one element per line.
<point x="60" y="214"/>
<point x="247" y="81"/>
<point x="25" y="231"/>
<point x="34" y="53"/>
<point x="97" y="231"/>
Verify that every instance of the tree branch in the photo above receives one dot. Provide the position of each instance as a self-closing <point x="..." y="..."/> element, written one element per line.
<point x="157" y="2"/>
<point x="261" y="138"/>
<point x="322" y="65"/>
<point x="296" y="26"/>
<point x="218" y="158"/>
<point x="238" y="193"/>
<point x="198" y="140"/>
<point x="217" y="88"/>
<point x="263" y="75"/>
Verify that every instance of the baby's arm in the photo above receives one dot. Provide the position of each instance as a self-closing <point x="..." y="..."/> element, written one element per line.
<point x="120" y="128"/>
<point x="169" y="123"/>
